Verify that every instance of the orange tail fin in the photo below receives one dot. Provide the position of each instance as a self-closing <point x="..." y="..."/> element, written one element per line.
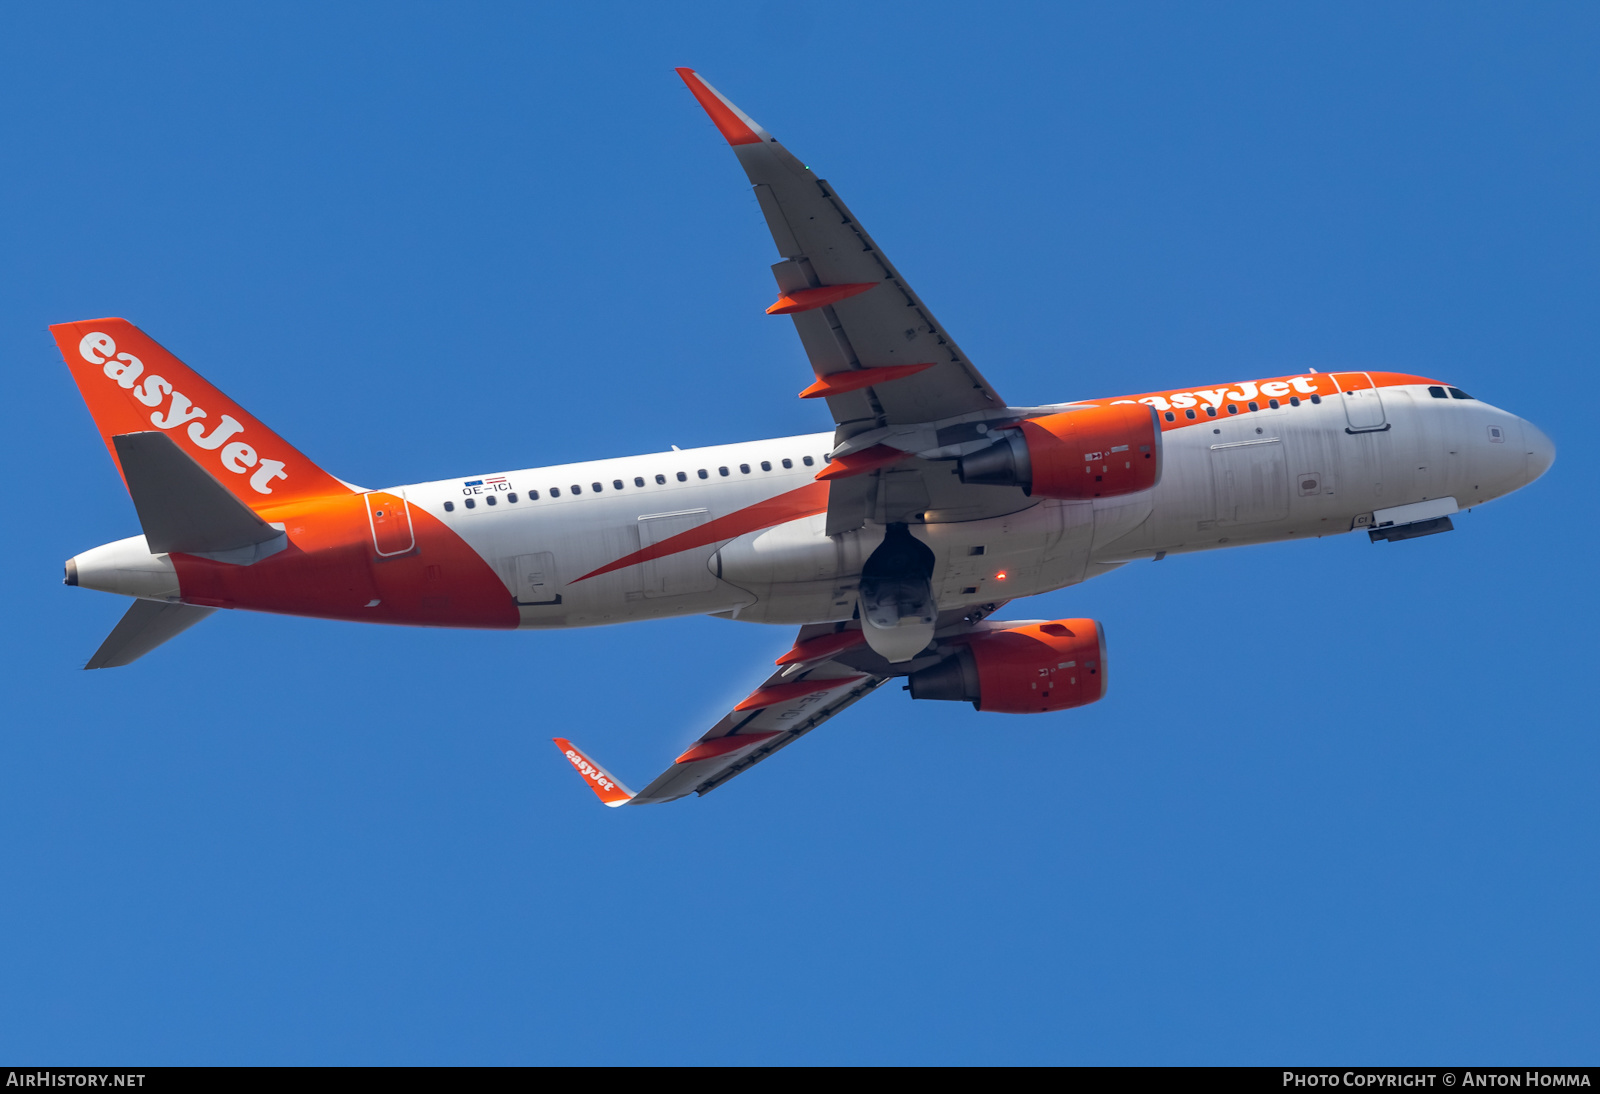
<point x="133" y="385"/>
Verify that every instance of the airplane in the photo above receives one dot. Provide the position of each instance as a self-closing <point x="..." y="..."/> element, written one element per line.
<point x="890" y="542"/>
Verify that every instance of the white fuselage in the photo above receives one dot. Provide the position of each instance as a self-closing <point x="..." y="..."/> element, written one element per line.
<point x="1275" y="474"/>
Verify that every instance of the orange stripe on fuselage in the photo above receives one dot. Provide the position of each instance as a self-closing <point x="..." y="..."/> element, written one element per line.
<point x="807" y="501"/>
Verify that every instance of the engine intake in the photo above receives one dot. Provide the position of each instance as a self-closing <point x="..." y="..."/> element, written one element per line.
<point x="1096" y="452"/>
<point x="1029" y="668"/>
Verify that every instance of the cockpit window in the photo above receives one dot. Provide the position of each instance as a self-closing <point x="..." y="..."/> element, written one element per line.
<point x="1457" y="393"/>
<point x="1437" y="392"/>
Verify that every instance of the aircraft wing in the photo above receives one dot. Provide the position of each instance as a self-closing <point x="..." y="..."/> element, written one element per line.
<point x="854" y="312"/>
<point x="808" y="689"/>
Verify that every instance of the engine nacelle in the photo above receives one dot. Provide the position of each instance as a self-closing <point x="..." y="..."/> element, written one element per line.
<point x="1096" y="452"/>
<point x="1030" y="668"/>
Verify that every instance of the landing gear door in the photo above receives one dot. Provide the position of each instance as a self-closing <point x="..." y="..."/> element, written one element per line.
<point x="1363" y="405"/>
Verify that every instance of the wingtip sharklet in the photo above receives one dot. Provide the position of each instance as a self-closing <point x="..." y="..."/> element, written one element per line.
<point x="605" y="785"/>
<point x="734" y="124"/>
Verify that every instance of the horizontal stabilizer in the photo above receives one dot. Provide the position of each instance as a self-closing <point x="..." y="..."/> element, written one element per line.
<point x="145" y="626"/>
<point x="181" y="506"/>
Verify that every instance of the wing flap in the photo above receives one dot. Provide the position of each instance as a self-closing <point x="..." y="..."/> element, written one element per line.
<point x="808" y="689"/>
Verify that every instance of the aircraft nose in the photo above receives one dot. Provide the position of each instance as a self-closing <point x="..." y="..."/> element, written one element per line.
<point x="1541" y="450"/>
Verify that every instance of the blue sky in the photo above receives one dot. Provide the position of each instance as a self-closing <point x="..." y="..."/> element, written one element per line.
<point x="1339" y="804"/>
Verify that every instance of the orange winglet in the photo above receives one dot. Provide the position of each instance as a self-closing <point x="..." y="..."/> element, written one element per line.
<point x="721" y="746"/>
<point x="733" y="123"/>
<point x="859" y="463"/>
<point x="780" y="693"/>
<point x="837" y="383"/>
<point x="819" y="297"/>
<point x="823" y="645"/>
<point x="601" y="781"/>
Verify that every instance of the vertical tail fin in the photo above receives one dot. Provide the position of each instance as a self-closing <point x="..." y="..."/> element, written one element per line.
<point x="131" y="384"/>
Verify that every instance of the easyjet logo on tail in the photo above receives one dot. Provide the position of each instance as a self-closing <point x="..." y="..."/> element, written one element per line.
<point x="236" y="456"/>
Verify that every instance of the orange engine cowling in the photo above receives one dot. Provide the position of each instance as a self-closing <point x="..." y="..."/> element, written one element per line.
<point x="1029" y="668"/>
<point x="1096" y="452"/>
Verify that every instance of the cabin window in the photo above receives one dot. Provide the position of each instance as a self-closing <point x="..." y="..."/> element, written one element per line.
<point x="1171" y="417"/>
<point x="1457" y="393"/>
<point x="1233" y="408"/>
<point x="787" y="463"/>
<point x="683" y="476"/>
<point x="555" y="491"/>
<point x="595" y="487"/>
<point x="471" y="504"/>
<point x="512" y="497"/>
<point x="766" y="465"/>
<point x="1316" y="398"/>
<point x="576" y="489"/>
<point x="661" y="480"/>
<point x="1273" y="403"/>
<point x="1437" y="392"/>
<point x="744" y="469"/>
<point x="1211" y="412"/>
<point x="449" y="507"/>
<point x="638" y="480"/>
<point x="489" y="500"/>
<point x="1255" y="406"/>
<point x="807" y="460"/>
<point x="1189" y="414"/>
<point x="533" y="495"/>
<point x="723" y="471"/>
<point x="703" y="473"/>
<point x="616" y="484"/>
<point x="1294" y="400"/>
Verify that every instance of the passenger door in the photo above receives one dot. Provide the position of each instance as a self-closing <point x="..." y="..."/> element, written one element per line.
<point x="390" y="520"/>
<point x="1363" y="405"/>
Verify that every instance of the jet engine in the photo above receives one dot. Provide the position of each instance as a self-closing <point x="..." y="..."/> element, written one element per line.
<point x="1026" y="668"/>
<point x="1096" y="452"/>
